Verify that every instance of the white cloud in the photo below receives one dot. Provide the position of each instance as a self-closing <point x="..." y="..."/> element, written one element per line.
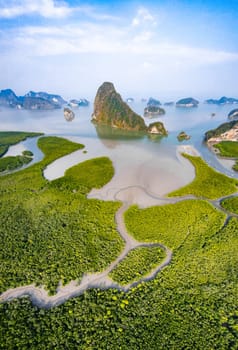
<point x="94" y="50"/>
<point x="107" y="38"/>
<point x="49" y="9"/>
<point x="143" y="36"/>
<point x="142" y="17"/>
<point x="45" y="8"/>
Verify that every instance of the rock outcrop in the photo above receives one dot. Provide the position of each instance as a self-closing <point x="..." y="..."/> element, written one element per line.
<point x="187" y="102"/>
<point x="68" y="114"/>
<point x="110" y="109"/>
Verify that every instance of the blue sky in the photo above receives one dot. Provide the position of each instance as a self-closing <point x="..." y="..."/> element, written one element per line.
<point x="167" y="49"/>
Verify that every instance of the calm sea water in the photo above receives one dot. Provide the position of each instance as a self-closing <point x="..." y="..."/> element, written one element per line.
<point x="194" y="121"/>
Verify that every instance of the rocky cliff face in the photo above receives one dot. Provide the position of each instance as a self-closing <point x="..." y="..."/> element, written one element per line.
<point x="110" y="109"/>
<point x="224" y="132"/>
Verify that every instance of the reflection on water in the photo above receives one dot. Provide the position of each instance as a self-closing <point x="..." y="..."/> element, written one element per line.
<point x="102" y="140"/>
<point x="107" y="132"/>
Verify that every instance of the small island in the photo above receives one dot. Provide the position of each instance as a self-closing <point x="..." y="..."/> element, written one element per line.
<point x="182" y="136"/>
<point x="82" y="102"/>
<point x="153" y="102"/>
<point x="187" y="102"/>
<point x="157" y="128"/>
<point x="68" y="114"/>
<point x="153" y="111"/>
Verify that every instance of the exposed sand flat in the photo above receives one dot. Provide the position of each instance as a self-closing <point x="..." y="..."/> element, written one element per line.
<point x="15" y="150"/>
<point x="227" y="163"/>
<point x="189" y="149"/>
<point x="143" y="183"/>
<point x="142" y="172"/>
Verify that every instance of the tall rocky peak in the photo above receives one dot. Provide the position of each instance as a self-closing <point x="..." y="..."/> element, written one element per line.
<point x="8" y="98"/>
<point x="110" y="109"/>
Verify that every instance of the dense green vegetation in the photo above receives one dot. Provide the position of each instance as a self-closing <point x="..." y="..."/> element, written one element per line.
<point x="171" y="224"/>
<point x="13" y="162"/>
<point x="192" y="304"/>
<point x="8" y="138"/>
<point x="31" y="179"/>
<point x="138" y="263"/>
<point x="51" y="231"/>
<point x="231" y="204"/>
<point x="227" y="148"/>
<point x="208" y="183"/>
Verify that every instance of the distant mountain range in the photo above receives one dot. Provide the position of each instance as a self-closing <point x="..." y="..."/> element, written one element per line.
<point x="34" y="100"/>
<point x="222" y="101"/>
<point x="46" y="101"/>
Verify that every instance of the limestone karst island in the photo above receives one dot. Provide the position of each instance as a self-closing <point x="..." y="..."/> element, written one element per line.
<point x="111" y="110"/>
